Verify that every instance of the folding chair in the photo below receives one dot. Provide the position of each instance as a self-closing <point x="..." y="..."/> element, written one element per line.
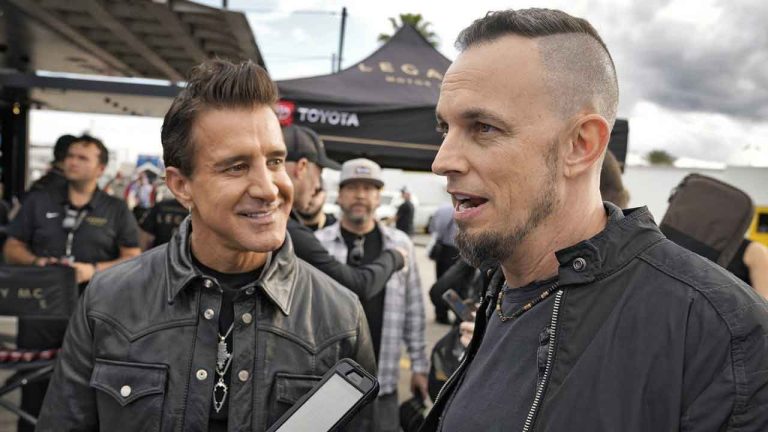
<point x="37" y="295"/>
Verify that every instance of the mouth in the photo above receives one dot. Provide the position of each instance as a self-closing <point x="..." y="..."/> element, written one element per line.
<point x="263" y="215"/>
<point x="466" y="203"/>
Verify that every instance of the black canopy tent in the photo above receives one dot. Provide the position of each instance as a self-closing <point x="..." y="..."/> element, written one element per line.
<point x="383" y="107"/>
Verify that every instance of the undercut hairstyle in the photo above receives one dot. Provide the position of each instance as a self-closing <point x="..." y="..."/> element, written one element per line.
<point x="214" y="84"/>
<point x="611" y="187"/>
<point x="87" y="140"/>
<point x="579" y="69"/>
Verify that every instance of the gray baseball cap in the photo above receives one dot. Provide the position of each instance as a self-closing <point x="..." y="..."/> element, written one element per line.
<point x="361" y="170"/>
<point x="302" y="142"/>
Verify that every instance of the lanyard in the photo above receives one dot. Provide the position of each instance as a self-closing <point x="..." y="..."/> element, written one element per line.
<point x="78" y="220"/>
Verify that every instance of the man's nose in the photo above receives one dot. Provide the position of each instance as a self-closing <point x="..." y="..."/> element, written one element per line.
<point x="262" y="184"/>
<point x="450" y="157"/>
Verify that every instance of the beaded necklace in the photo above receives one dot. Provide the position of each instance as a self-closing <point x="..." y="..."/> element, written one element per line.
<point x="526" y="307"/>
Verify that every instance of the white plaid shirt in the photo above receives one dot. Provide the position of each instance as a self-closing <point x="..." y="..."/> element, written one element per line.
<point x="404" y="316"/>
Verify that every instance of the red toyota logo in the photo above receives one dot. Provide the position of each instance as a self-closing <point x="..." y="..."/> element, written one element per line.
<point x="285" y="111"/>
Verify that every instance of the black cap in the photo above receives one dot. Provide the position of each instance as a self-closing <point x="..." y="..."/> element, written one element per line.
<point x="62" y="147"/>
<point x="303" y="142"/>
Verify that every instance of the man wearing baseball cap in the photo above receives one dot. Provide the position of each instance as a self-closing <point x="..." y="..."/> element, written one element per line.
<point x="304" y="163"/>
<point x="395" y="315"/>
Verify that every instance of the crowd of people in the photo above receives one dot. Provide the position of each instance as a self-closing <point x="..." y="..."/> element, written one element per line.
<point x="219" y="307"/>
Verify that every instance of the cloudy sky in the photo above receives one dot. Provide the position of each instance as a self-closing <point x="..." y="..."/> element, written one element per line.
<point x="693" y="74"/>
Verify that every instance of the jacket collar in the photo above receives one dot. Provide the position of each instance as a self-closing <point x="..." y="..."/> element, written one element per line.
<point x="627" y="233"/>
<point x="277" y="280"/>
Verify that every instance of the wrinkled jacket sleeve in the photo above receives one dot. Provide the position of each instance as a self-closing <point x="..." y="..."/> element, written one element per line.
<point x="725" y="385"/>
<point x="70" y="403"/>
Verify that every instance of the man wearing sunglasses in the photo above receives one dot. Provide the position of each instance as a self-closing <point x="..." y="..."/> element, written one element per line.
<point x="395" y="314"/>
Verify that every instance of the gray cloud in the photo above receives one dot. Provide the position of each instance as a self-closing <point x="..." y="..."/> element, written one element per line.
<point x="723" y="69"/>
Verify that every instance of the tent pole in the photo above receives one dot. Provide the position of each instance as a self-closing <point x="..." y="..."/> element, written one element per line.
<point x="341" y="36"/>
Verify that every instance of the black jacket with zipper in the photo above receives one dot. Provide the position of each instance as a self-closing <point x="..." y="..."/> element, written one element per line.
<point x="140" y="351"/>
<point x="644" y="336"/>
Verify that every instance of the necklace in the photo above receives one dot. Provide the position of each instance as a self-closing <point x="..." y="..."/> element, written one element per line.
<point x="223" y="361"/>
<point x="526" y="307"/>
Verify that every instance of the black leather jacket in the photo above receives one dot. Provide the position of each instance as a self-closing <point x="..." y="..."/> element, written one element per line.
<point x="140" y="351"/>
<point x="644" y="336"/>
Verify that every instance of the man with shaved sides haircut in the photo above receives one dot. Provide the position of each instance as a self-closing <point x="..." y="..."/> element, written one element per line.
<point x="593" y="320"/>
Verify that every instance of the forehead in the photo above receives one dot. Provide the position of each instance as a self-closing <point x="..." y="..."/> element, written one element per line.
<point x="221" y="132"/>
<point x="81" y="147"/>
<point x="497" y="76"/>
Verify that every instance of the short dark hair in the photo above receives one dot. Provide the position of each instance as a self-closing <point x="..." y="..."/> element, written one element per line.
<point x="213" y="84"/>
<point x="579" y="67"/>
<point x="61" y="147"/>
<point x="87" y="140"/>
<point x="611" y="187"/>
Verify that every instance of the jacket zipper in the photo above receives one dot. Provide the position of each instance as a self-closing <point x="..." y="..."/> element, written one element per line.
<point x="529" y="420"/>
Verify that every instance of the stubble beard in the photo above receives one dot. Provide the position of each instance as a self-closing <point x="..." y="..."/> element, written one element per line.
<point x="493" y="247"/>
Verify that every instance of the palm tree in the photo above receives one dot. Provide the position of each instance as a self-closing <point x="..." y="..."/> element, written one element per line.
<point x="416" y="21"/>
<point x="660" y="157"/>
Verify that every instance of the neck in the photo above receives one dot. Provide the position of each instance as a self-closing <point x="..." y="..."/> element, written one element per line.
<point x="360" y="229"/>
<point x="211" y="253"/>
<point x="535" y="259"/>
<point x="80" y="193"/>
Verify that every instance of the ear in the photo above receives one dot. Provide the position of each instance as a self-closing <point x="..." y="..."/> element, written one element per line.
<point x="179" y="185"/>
<point x="587" y="143"/>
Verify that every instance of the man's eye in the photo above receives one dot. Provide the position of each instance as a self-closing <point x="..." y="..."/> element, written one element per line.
<point x="276" y="162"/>
<point x="237" y="168"/>
<point x="485" y="128"/>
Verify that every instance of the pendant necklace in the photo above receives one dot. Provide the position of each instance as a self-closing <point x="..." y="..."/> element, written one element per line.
<point x="223" y="361"/>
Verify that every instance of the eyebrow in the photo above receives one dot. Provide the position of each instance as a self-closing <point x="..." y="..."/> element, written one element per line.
<point x="483" y="114"/>
<point x="474" y="114"/>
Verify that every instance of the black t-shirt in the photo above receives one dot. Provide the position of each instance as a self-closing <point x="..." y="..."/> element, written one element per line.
<point x="231" y="284"/>
<point x="373" y="244"/>
<point x="163" y="220"/>
<point x="500" y="384"/>
<point x="405" y="217"/>
<point x="107" y="226"/>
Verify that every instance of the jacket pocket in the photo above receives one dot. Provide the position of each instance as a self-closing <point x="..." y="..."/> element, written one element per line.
<point x="130" y="395"/>
<point x="288" y="389"/>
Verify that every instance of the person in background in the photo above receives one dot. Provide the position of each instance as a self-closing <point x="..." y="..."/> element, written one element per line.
<point x="313" y="216"/>
<point x="74" y="223"/>
<point x="611" y="187"/>
<point x="70" y="223"/>
<point x="751" y="265"/>
<point x="405" y="213"/>
<point x="442" y="227"/>
<point x="396" y="315"/>
<point x="55" y="176"/>
<point x="304" y="163"/>
<point x="161" y="222"/>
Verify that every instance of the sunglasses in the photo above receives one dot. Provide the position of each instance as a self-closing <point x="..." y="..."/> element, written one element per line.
<point x="357" y="252"/>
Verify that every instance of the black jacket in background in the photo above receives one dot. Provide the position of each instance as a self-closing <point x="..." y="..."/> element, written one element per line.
<point x="646" y="336"/>
<point x="140" y="351"/>
<point x="365" y="281"/>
